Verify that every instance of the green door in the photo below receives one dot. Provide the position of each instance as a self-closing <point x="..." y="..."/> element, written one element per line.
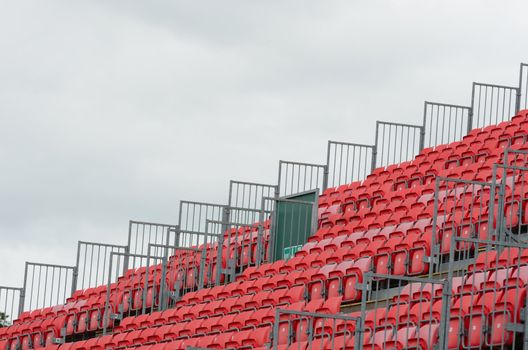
<point x="293" y="223"/>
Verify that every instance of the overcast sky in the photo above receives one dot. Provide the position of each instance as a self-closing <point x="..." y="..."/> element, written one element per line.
<point x="116" y="110"/>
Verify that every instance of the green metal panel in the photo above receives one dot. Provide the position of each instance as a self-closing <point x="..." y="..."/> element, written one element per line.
<point x="292" y="224"/>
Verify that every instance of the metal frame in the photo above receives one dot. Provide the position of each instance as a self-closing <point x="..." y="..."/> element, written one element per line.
<point x="408" y="138"/>
<point x="523" y="87"/>
<point x="507" y="202"/>
<point x="248" y="195"/>
<point x="509" y="151"/>
<point x="11" y="305"/>
<point x="302" y="177"/>
<point x="492" y="104"/>
<point x="60" y="287"/>
<point x="453" y="201"/>
<point x="348" y="162"/>
<point x="313" y="227"/>
<point x="91" y="262"/>
<point x="170" y="255"/>
<point x="375" y="290"/>
<point x="192" y="215"/>
<point x="196" y="240"/>
<point x="220" y="227"/>
<point x="449" y="123"/>
<point x="308" y="319"/>
<point x="113" y="277"/>
<point x="142" y="233"/>
<point x="492" y="286"/>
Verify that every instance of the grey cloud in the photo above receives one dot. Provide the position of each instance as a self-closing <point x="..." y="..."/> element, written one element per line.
<point x="116" y="110"/>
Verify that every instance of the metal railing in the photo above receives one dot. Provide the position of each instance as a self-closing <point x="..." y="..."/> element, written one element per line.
<point x="193" y="215"/>
<point x="403" y="312"/>
<point x="348" y="162"/>
<point x="492" y="104"/>
<point x="308" y="330"/>
<point x="135" y="291"/>
<point x="462" y="208"/>
<point x="11" y="304"/>
<point x="46" y="285"/>
<point x="512" y="200"/>
<point x="91" y="263"/>
<point x="523" y="87"/>
<point x="234" y="247"/>
<point x="488" y="294"/>
<point x="396" y="143"/>
<point x="444" y="123"/>
<point x="181" y="270"/>
<point x="296" y="177"/>
<point x="141" y="234"/>
<point x="248" y="195"/>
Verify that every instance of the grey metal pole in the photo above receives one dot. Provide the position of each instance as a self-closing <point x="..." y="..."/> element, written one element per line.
<point x="24" y="288"/>
<point x="325" y="177"/>
<point x="260" y="236"/>
<point x="423" y="128"/>
<point x="327" y="168"/>
<point x="361" y="327"/>
<point x="279" y="179"/>
<point x="491" y="210"/>
<point x="422" y="138"/>
<point x="375" y="149"/>
<point x="75" y="275"/>
<point x="446" y="297"/>
<point x="519" y="90"/>
<point x="434" y="247"/>
<point x="107" y="313"/>
<point x="276" y="330"/>
<point x="127" y="250"/>
<point x="472" y="109"/>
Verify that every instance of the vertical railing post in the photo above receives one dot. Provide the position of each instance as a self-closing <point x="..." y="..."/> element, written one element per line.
<point x="375" y="150"/>
<point x="364" y="292"/>
<point x="434" y="245"/>
<point x="519" y="90"/>
<point x="75" y="276"/>
<point x="224" y="227"/>
<point x="325" y="178"/>
<point x="203" y="258"/>
<point x="279" y="179"/>
<point x="472" y="108"/>
<point x="327" y="167"/>
<point x="525" y="314"/>
<point x="422" y="138"/>
<point x="21" y="302"/>
<point x="423" y="126"/>
<point x="446" y="297"/>
<point x="494" y="227"/>
<point x="75" y="273"/>
<point x="163" y="300"/>
<point x="108" y="308"/>
<point x="24" y="288"/>
<point x="127" y="250"/>
<point x="276" y="330"/>
<point x="260" y="235"/>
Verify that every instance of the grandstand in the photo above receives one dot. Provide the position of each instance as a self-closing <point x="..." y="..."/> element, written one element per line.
<point x="418" y="241"/>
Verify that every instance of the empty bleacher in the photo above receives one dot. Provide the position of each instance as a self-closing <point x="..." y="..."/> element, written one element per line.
<point x="430" y="252"/>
